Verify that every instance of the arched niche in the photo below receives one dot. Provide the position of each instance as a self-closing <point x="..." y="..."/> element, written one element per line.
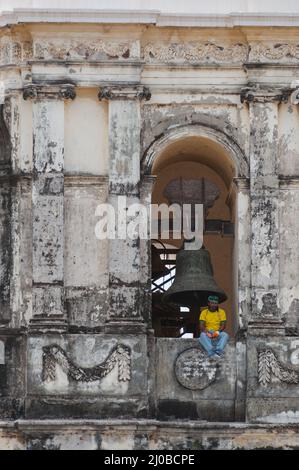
<point x="193" y="152"/>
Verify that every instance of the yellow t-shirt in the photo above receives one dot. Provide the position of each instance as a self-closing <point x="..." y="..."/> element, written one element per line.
<point x="212" y="319"/>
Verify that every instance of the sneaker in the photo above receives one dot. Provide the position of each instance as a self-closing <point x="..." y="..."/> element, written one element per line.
<point x="217" y="356"/>
<point x="214" y="358"/>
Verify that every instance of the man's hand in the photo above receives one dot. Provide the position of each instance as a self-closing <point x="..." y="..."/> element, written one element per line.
<point x="212" y="334"/>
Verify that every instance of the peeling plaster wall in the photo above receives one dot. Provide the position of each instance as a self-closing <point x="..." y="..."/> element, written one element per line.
<point x="86" y="134"/>
<point x="289" y="266"/>
<point x="213" y="403"/>
<point x="288" y="134"/>
<point x="90" y="114"/>
<point x="277" y="401"/>
<point x="146" y="435"/>
<point x="86" y="257"/>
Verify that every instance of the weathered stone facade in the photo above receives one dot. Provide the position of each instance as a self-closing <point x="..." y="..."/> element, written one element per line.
<point x="86" y="111"/>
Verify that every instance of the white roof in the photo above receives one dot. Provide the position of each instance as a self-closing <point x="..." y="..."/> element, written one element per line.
<point x="160" y="12"/>
<point x="164" y="6"/>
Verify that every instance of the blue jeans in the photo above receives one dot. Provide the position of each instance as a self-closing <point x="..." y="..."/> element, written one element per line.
<point x="214" y="346"/>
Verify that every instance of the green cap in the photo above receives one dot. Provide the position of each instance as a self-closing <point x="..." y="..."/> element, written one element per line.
<point x="213" y="298"/>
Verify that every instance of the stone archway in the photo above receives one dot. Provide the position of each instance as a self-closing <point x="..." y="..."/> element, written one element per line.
<point x="210" y="152"/>
<point x="221" y="140"/>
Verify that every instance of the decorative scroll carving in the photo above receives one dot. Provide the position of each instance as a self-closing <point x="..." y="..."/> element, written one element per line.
<point x="273" y="52"/>
<point x="29" y="93"/>
<point x="67" y="93"/>
<point x="195" y="52"/>
<point x="119" y="356"/>
<point x="194" y="370"/>
<point x="144" y="94"/>
<point x="264" y="95"/>
<point x="63" y="92"/>
<point x="14" y="51"/>
<point x="63" y="49"/>
<point x="105" y="93"/>
<point x="124" y="93"/>
<point x="269" y="365"/>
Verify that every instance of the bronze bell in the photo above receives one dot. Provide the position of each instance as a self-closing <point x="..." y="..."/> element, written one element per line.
<point x="194" y="280"/>
<point x="158" y="266"/>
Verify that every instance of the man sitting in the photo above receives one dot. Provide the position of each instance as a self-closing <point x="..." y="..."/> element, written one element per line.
<point x="212" y="321"/>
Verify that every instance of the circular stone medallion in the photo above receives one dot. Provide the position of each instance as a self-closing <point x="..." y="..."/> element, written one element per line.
<point x="194" y="370"/>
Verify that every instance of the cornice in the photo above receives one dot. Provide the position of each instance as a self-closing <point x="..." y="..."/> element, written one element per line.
<point x="155" y="17"/>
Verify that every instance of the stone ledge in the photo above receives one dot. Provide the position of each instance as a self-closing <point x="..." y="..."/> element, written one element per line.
<point x="144" y="434"/>
<point x="156" y="17"/>
<point x="26" y="424"/>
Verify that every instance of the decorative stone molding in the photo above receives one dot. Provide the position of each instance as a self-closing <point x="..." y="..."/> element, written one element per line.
<point x="160" y="18"/>
<point x="124" y="93"/>
<point x="263" y="95"/>
<point x="194" y="370"/>
<point x="289" y="182"/>
<point x="85" y="49"/>
<point x="88" y="49"/>
<point x="195" y="52"/>
<point x="15" y="51"/>
<point x="273" y="52"/>
<point x="119" y="356"/>
<point x="49" y="92"/>
<point x="85" y="180"/>
<point x="269" y="365"/>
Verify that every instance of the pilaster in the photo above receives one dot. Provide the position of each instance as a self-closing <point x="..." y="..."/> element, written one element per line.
<point x="264" y="196"/>
<point x="125" y="307"/>
<point x="48" y="205"/>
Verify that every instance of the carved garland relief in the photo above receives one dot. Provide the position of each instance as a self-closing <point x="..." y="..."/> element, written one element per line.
<point x="16" y="51"/>
<point x="89" y="50"/>
<point x="119" y="356"/>
<point x="195" y="52"/>
<point x="269" y="366"/>
<point x="273" y="52"/>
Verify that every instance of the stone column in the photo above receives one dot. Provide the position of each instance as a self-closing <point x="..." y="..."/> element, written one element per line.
<point x="242" y="253"/>
<point x="264" y="194"/>
<point x="5" y="220"/>
<point x="48" y="206"/>
<point x="146" y="190"/>
<point x="125" y="309"/>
